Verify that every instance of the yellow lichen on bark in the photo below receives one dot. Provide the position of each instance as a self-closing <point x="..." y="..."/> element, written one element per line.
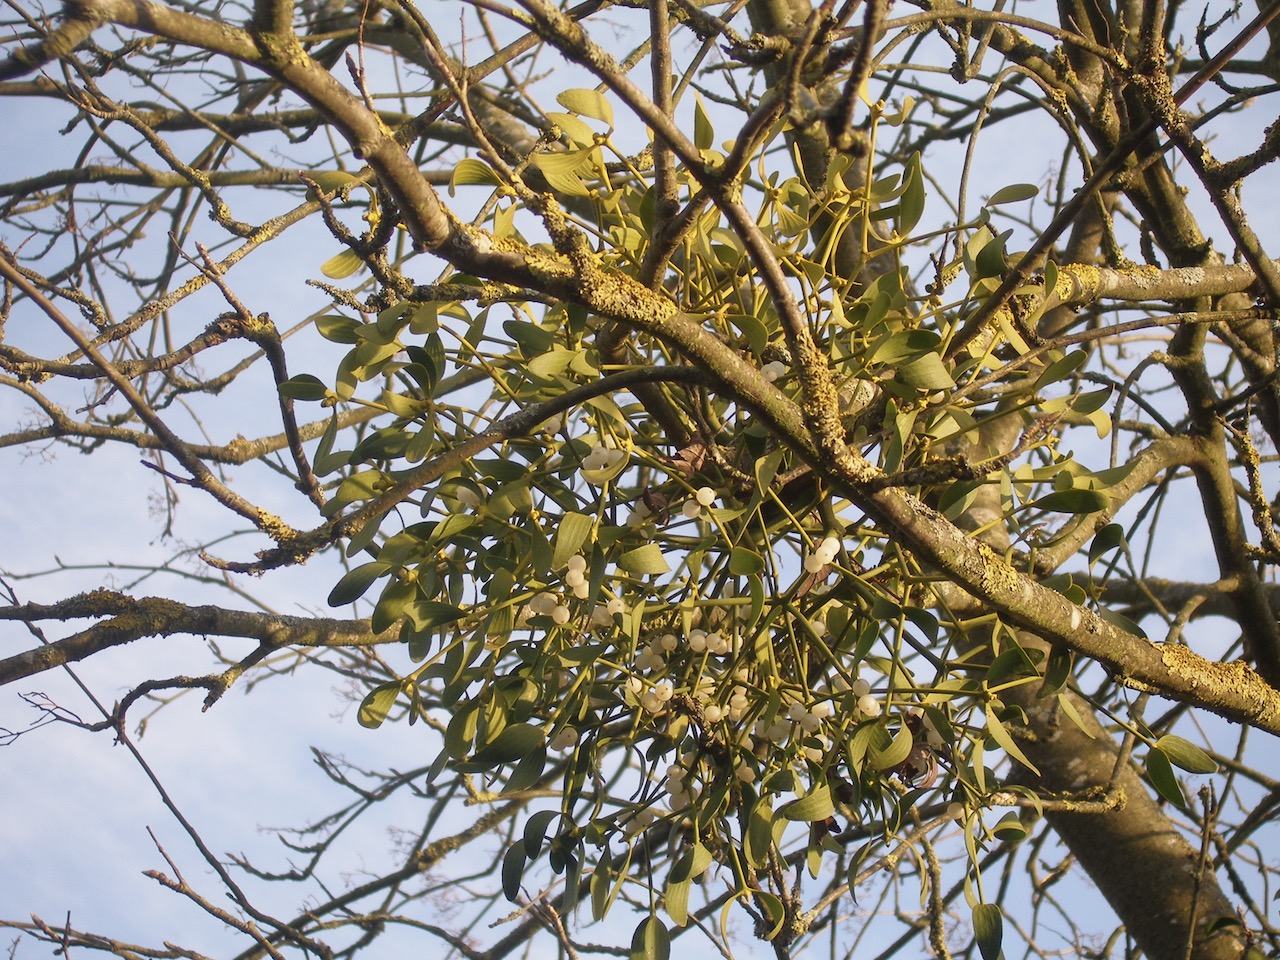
<point x="995" y="574"/>
<point x="1078" y="283"/>
<point x="1217" y="683"/>
<point x="617" y="295"/>
<point x="275" y="528"/>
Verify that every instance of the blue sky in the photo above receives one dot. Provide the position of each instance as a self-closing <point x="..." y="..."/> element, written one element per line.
<point x="74" y="836"/>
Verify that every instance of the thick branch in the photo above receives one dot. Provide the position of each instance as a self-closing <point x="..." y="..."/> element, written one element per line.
<point x="75" y="29"/>
<point x="163" y="180"/>
<point x="132" y="619"/>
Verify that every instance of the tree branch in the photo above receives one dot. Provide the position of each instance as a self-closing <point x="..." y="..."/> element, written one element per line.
<point x="130" y="619"/>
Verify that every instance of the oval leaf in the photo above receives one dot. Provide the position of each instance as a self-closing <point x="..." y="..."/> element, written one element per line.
<point x="535" y="830"/>
<point x="651" y="940"/>
<point x="587" y="103"/>
<point x="1184" y="754"/>
<point x="644" y="560"/>
<point x="513" y="871"/>
<point x="514" y="742"/>
<point x="356" y="581"/>
<point x="571" y="534"/>
<point x="1121" y="621"/>
<point x="377" y="704"/>
<point x="330" y="181"/>
<point x="528" y="770"/>
<point x="911" y="206"/>
<point x="427" y="614"/>
<point x="342" y="265"/>
<point x="816" y="806"/>
<point x="579" y="133"/>
<point x="561" y="171"/>
<point x="1160" y="774"/>
<point x="1106" y="540"/>
<point x="1061" y="368"/>
<point x="473" y="172"/>
<point x="988" y="929"/>
<point x="904" y="345"/>
<point x="676" y="896"/>
<point x="926" y="373"/>
<point x="744" y="562"/>
<point x="1073" y="501"/>
<point x="1010" y="829"/>
<point x="304" y="387"/>
<point x="1013" y="193"/>
<point x="895" y="753"/>
<point x="1001" y="735"/>
<point x="759" y="838"/>
<point x="774" y="910"/>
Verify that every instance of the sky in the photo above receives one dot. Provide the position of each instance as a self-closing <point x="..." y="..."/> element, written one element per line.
<point x="74" y="840"/>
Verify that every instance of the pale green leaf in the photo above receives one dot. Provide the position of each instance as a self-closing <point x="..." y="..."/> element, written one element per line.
<point x="817" y="805"/>
<point x="644" y="561"/>
<point x="1068" y="706"/>
<point x="904" y="345"/>
<point x="892" y="755"/>
<point x="1010" y="829"/>
<point x="561" y="171"/>
<point x="427" y="614"/>
<point x="926" y="373"/>
<point x="376" y="704"/>
<point x="691" y="865"/>
<point x="338" y="329"/>
<point x="342" y="265"/>
<point x="744" y="561"/>
<point x="472" y="172"/>
<point x="1061" y="368"/>
<point x="550" y="365"/>
<point x="990" y="261"/>
<point x="776" y="912"/>
<point x="704" y="134"/>
<point x="571" y="534"/>
<point x="1013" y="193"/>
<point x="1185" y="754"/>
<point x="1073" y="501"/>
<point x="651" y="941"/>
<point x="587" y="103"/>
<point x="579" y="133"/>
<point x="1000" y="733"/>
<point x="330" y="181"/>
